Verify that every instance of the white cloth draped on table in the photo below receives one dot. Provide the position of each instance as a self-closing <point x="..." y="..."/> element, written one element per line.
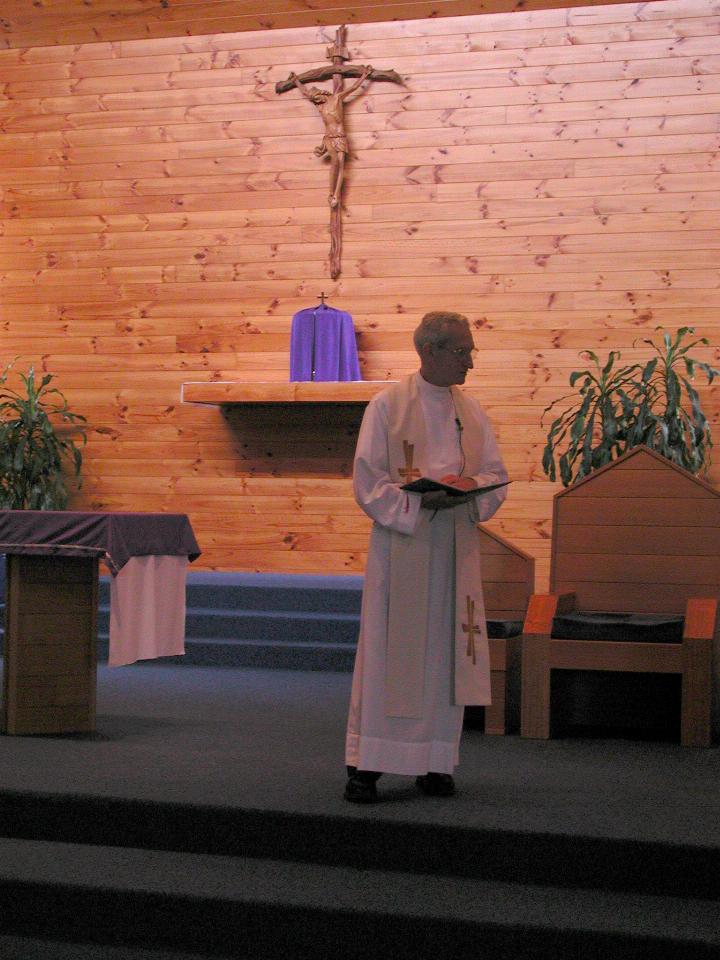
<point x="147" y="609"/>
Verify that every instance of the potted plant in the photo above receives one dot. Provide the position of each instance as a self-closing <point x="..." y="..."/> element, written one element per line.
<point x="32" y="452"/>
<point x="620" y="407"/>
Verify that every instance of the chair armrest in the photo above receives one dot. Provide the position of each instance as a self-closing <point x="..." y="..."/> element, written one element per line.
<point x="542" y="609"/>
<point x="701" y="618"/>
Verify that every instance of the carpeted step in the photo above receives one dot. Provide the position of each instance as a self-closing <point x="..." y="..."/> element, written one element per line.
<point x="275" y="621"/>
<point x="281" y="625"/>
<point x="275" y="591"/>
<point x="256" y="654"/>
<point x="359" y="842"/>
<point x="268" y="591"/>
<point x="265" y="909"/>
<point x="267" y="654"/>
<point x="34" y="948"/>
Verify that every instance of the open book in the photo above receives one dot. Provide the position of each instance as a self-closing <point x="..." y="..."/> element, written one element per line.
<point x="424" y="484"/>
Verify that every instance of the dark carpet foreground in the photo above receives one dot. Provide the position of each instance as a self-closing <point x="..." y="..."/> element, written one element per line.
<point x="205" y="819"/>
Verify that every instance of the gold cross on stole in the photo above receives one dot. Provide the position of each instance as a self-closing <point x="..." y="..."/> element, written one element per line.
<point x="408" y="472"/>
<point x="471" y="629"/>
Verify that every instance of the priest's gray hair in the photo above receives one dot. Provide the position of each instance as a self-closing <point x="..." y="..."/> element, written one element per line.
<point x="434" y="328"/>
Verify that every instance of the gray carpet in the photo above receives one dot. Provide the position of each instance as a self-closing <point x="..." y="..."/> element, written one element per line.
<point x="274" y="739"/>
<point x="205" y="818"/>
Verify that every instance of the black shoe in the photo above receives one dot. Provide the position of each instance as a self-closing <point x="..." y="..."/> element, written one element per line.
<point x="360" y="790"/>
<point x="436" y="784"/>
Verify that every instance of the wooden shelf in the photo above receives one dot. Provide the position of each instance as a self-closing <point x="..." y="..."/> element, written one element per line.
<point x="232" y="391"/>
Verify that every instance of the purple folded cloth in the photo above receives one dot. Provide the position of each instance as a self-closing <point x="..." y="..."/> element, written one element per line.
<point x="323" y="345"/>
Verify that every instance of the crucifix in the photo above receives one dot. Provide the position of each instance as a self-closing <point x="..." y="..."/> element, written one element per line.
<point x="470" y="628"/>
<point x="331" y="106"/>
<point x="408" y="472"/>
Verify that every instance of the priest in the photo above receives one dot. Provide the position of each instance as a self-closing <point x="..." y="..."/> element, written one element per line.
<point x="423" y="651"/>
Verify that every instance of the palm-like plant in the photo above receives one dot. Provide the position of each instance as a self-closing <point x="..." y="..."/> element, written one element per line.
<point x="32" y="453"/>
<point x="620" y="408"/>
<point x="663" y="423"/>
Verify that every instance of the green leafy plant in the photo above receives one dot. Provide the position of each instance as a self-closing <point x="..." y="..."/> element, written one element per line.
<point x="618" y="408"/>
<point x="32" y="453"/>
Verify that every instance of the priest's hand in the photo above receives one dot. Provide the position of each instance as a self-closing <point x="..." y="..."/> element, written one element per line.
<point x="462" y="483"/>
<point x="439" y="500"/>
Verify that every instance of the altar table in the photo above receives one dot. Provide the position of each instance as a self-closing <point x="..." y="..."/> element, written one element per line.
<point x="51" y="606"/>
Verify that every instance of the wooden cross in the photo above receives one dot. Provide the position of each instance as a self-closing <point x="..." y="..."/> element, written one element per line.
<point x="470" y="628"/>
<point x="408" y="472"/>
<point x="330" y="105"/>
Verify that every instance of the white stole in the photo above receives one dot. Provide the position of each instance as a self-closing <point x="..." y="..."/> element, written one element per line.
<point x="410" y="565"/>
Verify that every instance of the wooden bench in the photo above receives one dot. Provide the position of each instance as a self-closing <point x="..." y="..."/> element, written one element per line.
<point x="639" y="536"/>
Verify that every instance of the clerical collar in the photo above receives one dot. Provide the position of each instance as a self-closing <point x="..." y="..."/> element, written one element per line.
<point x="431" y="388"/>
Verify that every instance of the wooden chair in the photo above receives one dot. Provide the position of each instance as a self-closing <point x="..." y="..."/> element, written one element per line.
<point x="508" y="582"/>
<point x="639" y="536"/>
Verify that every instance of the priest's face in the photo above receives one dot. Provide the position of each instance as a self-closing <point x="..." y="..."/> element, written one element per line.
<point x="448" y="363"/>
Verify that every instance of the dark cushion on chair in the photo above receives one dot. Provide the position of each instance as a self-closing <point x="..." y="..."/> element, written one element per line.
<point x="635" y="627"/>
<point x="503" y="629"/>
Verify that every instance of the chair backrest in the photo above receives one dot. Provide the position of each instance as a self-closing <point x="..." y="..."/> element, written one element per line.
<point x="641" y="535"/>
<point x="508" y="577"/>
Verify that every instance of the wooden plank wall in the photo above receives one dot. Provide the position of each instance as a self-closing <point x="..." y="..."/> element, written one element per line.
<point x="25" y="24"/>
<point x="552" y="174"/>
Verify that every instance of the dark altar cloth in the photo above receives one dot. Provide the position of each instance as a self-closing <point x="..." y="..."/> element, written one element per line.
<point x="113" y="537"/>
<point x="323" y="345"/>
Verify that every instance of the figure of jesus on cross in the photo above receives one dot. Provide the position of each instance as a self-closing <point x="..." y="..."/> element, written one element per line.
<point x="335" y="142"/>
<point x="331" y="106"/>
